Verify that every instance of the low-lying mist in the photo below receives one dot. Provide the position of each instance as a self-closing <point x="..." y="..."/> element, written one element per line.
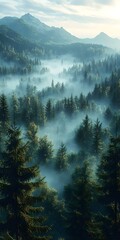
<point x="47" y="80"/>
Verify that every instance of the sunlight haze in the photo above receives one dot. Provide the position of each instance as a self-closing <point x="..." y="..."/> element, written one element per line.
<point x="81" y="18"/>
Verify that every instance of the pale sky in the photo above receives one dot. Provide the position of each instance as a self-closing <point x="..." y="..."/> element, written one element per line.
<point x="82" y="18"/>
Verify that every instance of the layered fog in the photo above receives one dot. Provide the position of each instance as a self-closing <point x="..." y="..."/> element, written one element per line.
<point x="57" y="79"/>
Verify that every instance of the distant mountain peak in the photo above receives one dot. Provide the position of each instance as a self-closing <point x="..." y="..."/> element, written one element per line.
<point x="34" y="22"/>
<point x="102" y="35"/>
<point x="29" y="17"/>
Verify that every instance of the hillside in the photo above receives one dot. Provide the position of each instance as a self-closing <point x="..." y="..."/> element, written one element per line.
<point x="10" y="37"/>
<point x="34" y="30"/>
<point x="103" y="39"/>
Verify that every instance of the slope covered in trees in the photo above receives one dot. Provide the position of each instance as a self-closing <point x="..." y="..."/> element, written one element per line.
<point x="59" y="119"/>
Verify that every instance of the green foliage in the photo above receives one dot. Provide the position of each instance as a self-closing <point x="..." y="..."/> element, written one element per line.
<point x="54" y="209"/>
<point x="78" y="201"/>
<point x="115" y="124"/>
<point x="45" y="150"/>
<point x="15" y="110"/>
<point x="32" y="140"/>
<point x="18" y="183"/>
<point x="49" y="109"/>
<point x="84" y="134"/>
<point x="97" y="138"/>
<point x="109" y="190"/>
<point x="61" y="158"/>
<point x="4" y="113"/>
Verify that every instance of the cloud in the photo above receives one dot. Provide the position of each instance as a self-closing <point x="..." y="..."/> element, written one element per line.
<point x="82" y="2"/>
<point x="70" y="14"/>
<point x="89" y="2"/>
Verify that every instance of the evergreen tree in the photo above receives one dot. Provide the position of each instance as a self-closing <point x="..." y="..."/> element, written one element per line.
<point x="97" y="138"/>
<point x="36" y="107"/>
<point x="115" y="124"/>
<point x="61" y="158"/>
<point x="4" y="112"/>
<point x="78" y="201"/>
<point x="108" y="114"/>
<point x="83" y="104"/>
<point x="49" y="110"/>
<point x="109" y="190"/>
<point x="45" y="150"/>
<point x="69" y="106"/>
<point x="42" y="119"/>
<point x="15" y="110"/>
<point x="23" y="219"/>
<point x="54" y="209"/>
<point x="84" y="134"/>
<point x="33" y="140"/>
<point x="26" y="110"/>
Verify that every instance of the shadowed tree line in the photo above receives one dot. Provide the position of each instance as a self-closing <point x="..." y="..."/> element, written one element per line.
<point x="90" y="205"/>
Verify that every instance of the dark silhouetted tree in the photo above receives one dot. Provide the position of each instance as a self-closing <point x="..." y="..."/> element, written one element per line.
<point x="109" y="190"/>
<point x="78" y="201"/>
<point x="45" y="150"/>
<point x="4" y="112"/>
<point x="97" y="138"/>
<point x="23" y="219"/>
<point x="61" y="158"/>
<point x="84" y="134"/>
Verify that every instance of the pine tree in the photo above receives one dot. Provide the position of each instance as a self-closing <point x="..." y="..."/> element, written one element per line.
<point x="45" y="150"/>
<point x="49" y="110"/>
<point x="42" y="119"/>
<point x="23" y="219"/>
<point x="109" y="190"/>
<point x="36" y="107"/>
<point x="61" y="158"/>
<point x="108" y="114"/>
<point x="15" y="110"/>
<point x="26" y="110"/>
<point x="84" y="134"/>
<point x="97" y="138"/>
<point x="54" y="209"/>
<point x="4" y="113"/>
<point x="78" y="201"/>
<point x="32" y="140"/>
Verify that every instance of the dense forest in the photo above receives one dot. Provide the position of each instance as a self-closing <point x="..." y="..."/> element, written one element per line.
<point x="59" y="140"/>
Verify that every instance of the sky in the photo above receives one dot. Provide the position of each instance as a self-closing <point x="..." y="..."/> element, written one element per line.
<point x="82" y="18"/>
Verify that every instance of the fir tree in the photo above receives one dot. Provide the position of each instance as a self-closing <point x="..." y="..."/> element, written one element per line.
<point x="4" y="113"/>
<point x="45" y="150"/>
<point x="61" y="158"/>
<point x="78" y="201"/>
<point x="84" y="134"/>
<point x="15" y="110"/>
<point x="97" y="138"/>
<point x="54" y="209"/>
<point x="33" y="140"/>
<point x="49" y="110"/>
<point x="23" y="218"/>
<point x="109" y="190"/>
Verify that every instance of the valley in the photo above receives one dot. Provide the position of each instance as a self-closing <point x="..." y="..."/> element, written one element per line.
<point x="60" y="109"/>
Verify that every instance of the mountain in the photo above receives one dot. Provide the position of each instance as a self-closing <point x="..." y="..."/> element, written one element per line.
<point x="103" y="39"/>
<point x="9" y="37"/>
<point x="34" y="30"/>
<point x="35" y="23"/>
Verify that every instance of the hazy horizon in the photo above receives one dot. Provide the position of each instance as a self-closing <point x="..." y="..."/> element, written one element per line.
<point x="82" y="18"/>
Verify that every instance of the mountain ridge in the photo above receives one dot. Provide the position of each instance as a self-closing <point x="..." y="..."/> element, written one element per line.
<point x="103" y="39"/>
<point x="32" y="29"/>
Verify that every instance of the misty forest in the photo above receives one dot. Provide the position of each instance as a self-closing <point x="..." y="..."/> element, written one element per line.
<point x="59" y="134"/>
